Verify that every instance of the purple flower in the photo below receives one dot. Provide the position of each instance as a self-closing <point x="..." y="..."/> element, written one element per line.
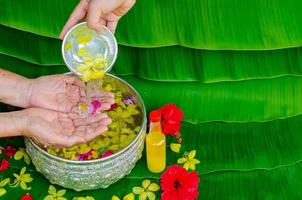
<point x="134" y="100"/>
<point x="127" y="101"/>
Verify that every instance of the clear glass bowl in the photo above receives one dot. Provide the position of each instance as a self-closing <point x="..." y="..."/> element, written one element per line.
<point x="90" y="174"/>
<point x="82" y="42"/>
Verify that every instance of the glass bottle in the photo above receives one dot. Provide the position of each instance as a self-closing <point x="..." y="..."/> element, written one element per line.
<point x="156" y="144"/>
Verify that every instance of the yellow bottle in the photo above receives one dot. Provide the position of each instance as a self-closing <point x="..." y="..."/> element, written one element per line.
<point x="156" y="145"/>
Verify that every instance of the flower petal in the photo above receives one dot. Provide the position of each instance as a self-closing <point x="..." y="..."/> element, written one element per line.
<point x="19" y="154"/>
<point x="192" y="154"/>
<point x="23" y="185"/>
<point x="26" y="197"/>
<point x="4" y="164"/>
<point x="61" y="193"/>
<point x="151" y="195"/>
<point x="195" y="161"/>
<point x="146" y="183"/>
<point x="61" y="198"/>
<point x="129" y="196"/>
<point x="115" y="197"/>
<point x="137" y="190"/>
<point x="26" y="159"/>
<point x="153" y="187"/>
<point x="181" y="160"/>
<point x="175" y="147"/>
<point x="143" y="196"/>
<point x="23" y="170"/>
<point x="186" y="165"/>
<point x="52" y="190"/>
<point x="2" y="192"/>
<point x="192" y="166"/>
<point x="4" y="182"/>
<point x="48" y="197"/>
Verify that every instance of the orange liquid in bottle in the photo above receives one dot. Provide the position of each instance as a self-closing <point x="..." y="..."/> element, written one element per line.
<point x="155" y="145"/>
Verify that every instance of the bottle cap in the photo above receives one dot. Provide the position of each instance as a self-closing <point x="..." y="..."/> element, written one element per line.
<point x="155" y="116"/>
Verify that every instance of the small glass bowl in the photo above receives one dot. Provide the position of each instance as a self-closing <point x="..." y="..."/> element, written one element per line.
<point x="82" y="44"/>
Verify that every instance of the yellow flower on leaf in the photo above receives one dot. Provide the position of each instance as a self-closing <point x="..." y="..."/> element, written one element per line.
<point x="147" y="191"/>
<point x="175" y="147"/>
<point x="129" y="196"/>
<point x="22" y="179"/>
<point x="189" y="160"/>
<point x="54" y="195"/>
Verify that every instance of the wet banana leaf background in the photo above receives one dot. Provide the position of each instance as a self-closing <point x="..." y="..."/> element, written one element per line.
<point x="234" y="67"/>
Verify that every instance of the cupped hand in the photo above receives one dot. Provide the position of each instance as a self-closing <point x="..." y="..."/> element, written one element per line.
<point x="98" y="13"/>
<point x="58" y="129"/>
<point x="56" y="92"/>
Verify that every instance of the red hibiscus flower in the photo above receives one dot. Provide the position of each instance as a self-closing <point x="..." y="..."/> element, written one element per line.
<point x="9" y="151"/>
<point x="178" y="184"/>
<point x="4" y="164"/>
<point x="171" y="112"/>
<point x="171" y="119"/>
<point x="26" y="197"/>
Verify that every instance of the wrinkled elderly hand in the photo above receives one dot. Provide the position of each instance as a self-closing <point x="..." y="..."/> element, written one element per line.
<point x="55" y="92"/>
<point x="60" y="129"/>
<point x="98" y="13"/>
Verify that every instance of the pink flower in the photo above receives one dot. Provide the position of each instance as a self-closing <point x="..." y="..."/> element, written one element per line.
<point x="95" y="105"/>
<point x="106" y="154"/>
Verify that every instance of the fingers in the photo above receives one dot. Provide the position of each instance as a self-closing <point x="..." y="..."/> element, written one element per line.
<point x="93" y="130"/>
<point x="78" y="14"/>
<point x="89" y="120"/>
<point x="66" y="141"/>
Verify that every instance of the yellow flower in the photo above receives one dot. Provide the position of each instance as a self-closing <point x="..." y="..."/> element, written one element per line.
<point x="189" y="160"/>
<point x="175" y="147"/>
<point x="2" y="184"/>
<point x="22" y="179"/>
<point x="147" y="191"/>
<point x="22" y="154"/>
<point x="129" y="196"/>
<point x="115" y="197"/>
<point x="54" y="195"/>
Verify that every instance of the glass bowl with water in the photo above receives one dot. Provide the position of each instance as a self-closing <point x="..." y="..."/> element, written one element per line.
<point x="83" y="45"/>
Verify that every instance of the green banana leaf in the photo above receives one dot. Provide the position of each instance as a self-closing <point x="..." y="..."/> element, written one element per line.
<point x="234" y="157"/>
<point x="207" y="24"/>
<point x="166" y="63"/>
<point x="241" y="101"/>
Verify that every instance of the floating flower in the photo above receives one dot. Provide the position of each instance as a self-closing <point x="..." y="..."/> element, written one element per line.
<point x="54" y="195"/>
<point x="147" y="191"/>
<point x="4" y="164"/>
<point x="189" y="160"/>
<point x="175" y="147"/>
<point x="83" y="198"/>
<point x="22" y="154"/>
<point x="22" y="179"/>
<point x="26" y="197"/>
<point x="95" y="105"/>
<point x="3" y="183"/>
<point x="85" y="156"/>
<point x="178" y="184"/>
<point x="113" y="106"/>
<point x="9" y="151"/>
<point x="107" y="153"/>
